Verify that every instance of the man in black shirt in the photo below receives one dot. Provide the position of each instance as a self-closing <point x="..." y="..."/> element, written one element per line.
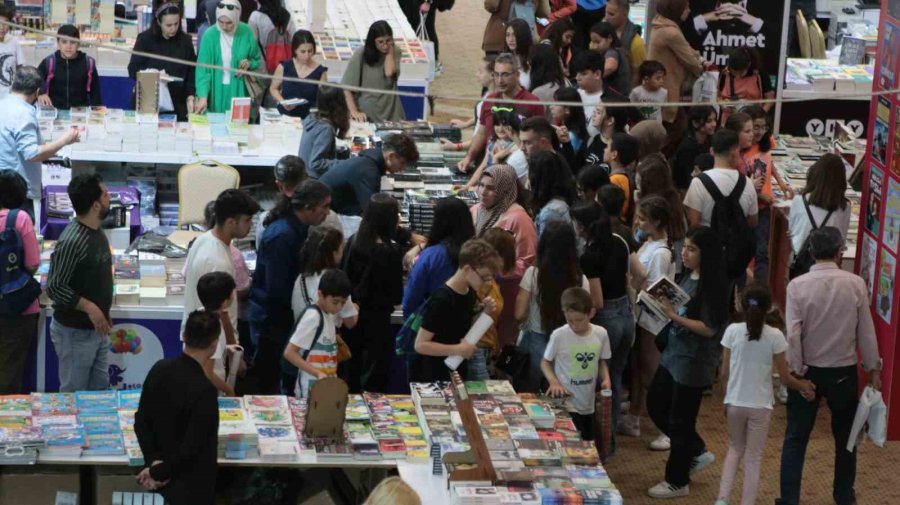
<point x="177" y="421"/>
<point x="81" y="287"/>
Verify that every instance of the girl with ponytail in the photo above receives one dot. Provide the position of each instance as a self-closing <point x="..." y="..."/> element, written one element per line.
<point x="750" y="349"/>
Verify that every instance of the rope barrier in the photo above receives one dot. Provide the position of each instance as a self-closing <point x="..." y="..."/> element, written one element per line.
<point x="469" y="99"/>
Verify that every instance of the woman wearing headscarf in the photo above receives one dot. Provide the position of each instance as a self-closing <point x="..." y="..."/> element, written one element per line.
<point x="501" y="207"/>
<point x="503" y="204"/>
<point x="652" y="136"/>
<point x="230" y="44"/>
<point x="166" y="38"/>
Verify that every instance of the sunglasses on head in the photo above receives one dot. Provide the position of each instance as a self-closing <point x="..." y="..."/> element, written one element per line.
<point x="227" y="6"/>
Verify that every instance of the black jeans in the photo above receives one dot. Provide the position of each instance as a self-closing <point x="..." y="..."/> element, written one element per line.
<point x="673" y="407"/>
<point x="585" y="424"/>
<point x="17" y="333"/>
<point x="583" y="20"/>
<point x="266" y="368"/>
<point x="839" y="387"/>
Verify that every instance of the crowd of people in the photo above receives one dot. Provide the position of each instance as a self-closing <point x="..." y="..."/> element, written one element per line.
<point x="581" y="207"/>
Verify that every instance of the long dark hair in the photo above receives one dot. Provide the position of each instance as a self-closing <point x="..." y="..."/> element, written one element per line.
<point x="451" y="227"/>
<point x="294" y="169"/>
<point x="524" y="41"/>
<point x="279" y="15"/>
<point x="596" y="225"/>
<point x="301" y="37"/>
<point x="711" y="297"/>
<point x="558" y="270"/>
<point x="332" y="106"/>
<point x="656" y="179"/>
<point x="166" y="9"/>
<point x="317" y="253"/>
<point x="606" y="31"/>
<point x="546" y="67"/>
<point x="550" y="178"/>
<point x="371" y="54"/>
<point x="555" y="32"/>
<point x="379" y="222"/>
<point x="826" y="183"/>
<point x="698" y="114"/>
<point x="575" y="122"/>
<point x="756" y="302"/>
<point x="756" y="112"/>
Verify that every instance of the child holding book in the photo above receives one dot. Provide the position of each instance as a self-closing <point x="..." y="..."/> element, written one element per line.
<point x="449" y="313"/>
<point x="750" y="350"/>
<point x="576" y="353"/>
<point x="216" y="291"/>
<point x="70" y="76"/>
<point x="313" y="345"/>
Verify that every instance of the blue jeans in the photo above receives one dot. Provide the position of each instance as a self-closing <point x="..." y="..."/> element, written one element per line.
<point x="83" y="358"/>
<point x="617" y="318"/>
<point x="761" y="266"/>
<point x="478" y="365"/>
<point x="840" y="389"/>
<point x="534" y="343"/>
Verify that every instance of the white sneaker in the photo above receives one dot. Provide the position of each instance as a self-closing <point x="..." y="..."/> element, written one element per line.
<point x="665" y="490"/>
<point x="782" y="395"/>
<point x="630" y="426"/>
<point x="702" y="461"/>
<point x="661" y="443"/>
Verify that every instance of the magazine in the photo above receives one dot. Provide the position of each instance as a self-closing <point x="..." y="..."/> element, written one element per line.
<point x="652" y="316"/>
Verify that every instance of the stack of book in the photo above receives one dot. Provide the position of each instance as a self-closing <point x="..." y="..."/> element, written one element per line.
<point x="275" y="428"/>
<point x="97" y="412"/>
<point x="237" y="438"/>
<point x="19" y="437"/>
<point x="56" y="415"/>
<point x="127" y="280"/>
<point x="395" y="425"/>
<point x="153" y="279"/>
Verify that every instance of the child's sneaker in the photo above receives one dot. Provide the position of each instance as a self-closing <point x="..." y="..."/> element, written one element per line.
<point x="661" y="443"/>
<point x="630" y="425"/>
<point x="664" y="490"/>
<point x="702" y="461"/>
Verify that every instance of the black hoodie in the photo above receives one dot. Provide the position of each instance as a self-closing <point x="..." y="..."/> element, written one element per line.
<point x="68" y="86"/>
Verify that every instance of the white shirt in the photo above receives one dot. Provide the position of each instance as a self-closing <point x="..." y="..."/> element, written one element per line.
<point x="530" y="283"/>
<point x="519" y="162"/>
<point x="656" y="258"/>
<point x="208" y="254"/>
<point x="298" y="302"/>
<point x="750" y="367"/>
<point x="590" y="101"/>
<point x="11" y="56"/>
<point x="576" y="362"/>
<point x="725" y="179"/>
<point x="524" y="78"/>
<point x="800" y="227"/>
<point x="323" y="355"/>
<point x="225" y="43"/>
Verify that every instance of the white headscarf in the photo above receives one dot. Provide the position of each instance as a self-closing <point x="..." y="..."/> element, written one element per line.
<point x="233" y="14"/>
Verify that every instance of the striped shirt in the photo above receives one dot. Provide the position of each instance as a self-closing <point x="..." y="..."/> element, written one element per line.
<point x="80" y="267"/>
<point x="323" y="355"/>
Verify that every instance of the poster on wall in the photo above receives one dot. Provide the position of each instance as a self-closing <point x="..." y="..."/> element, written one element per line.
<point x="873" y="206"/>
<point x="891" y="215"/>
<point x="884" y="302"/>
<point x="887" y="69"/>
<point x="868" y="260"/>
<point x="715" y="27"/>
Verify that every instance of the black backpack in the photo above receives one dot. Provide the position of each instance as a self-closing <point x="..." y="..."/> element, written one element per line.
<point x="730" y="223"/>
<point x="803" y="260"/>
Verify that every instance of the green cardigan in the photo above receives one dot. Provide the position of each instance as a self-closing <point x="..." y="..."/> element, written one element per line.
<point x="209" y="81"/>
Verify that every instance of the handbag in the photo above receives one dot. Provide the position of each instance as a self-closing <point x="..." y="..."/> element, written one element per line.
<point x="343" y="350"/>
<point x="255" y="88"/>
<point x="512" y="361"/>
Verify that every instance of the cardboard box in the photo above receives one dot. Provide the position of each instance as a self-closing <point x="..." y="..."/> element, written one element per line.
<point x="107" y="480"/>
<point x="36" y="485"/>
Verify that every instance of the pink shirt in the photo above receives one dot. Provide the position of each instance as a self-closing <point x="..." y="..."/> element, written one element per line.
<point x="25" y="227"/>
<point x="828" y="316"/>
<point x="517" y="221"/>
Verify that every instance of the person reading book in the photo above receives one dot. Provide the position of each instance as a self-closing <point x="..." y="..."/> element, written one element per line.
<point x="575" y="356"/>
<point x="449" y="312"/>
<point x="313" y="346"/>
<point x="177" y="420"/>
<point x="216" y="291"/>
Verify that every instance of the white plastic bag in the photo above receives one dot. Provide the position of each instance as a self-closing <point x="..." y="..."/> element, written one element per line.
<point x="706" y="89"/>
<point x="427" y="45"/>
<point x="872" y="411"/>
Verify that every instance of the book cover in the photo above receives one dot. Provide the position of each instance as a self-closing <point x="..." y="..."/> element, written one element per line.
<point x="230" y="403"/>
<point x="95" y="401"/>
<point x="129" y="399"/>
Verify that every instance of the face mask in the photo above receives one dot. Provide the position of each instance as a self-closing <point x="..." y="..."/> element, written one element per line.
<point x="639" y="235"/>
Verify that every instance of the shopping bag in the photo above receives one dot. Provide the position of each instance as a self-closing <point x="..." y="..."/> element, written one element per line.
<point x="869" y="402"/>
<point x="427" y="45"/>
<point x="705" y="89"/>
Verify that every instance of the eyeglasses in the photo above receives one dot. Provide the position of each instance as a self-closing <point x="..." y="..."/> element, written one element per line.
<point x="230" y="7"/>
<point x="504" y="75"/>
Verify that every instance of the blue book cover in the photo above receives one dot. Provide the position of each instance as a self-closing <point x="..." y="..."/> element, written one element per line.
<point x="100" y="423"/>
<point x="95" y="401"/>
<point x="65" y="436"/>
<point x="129" y="398"/>
<point x="104" y="444"/>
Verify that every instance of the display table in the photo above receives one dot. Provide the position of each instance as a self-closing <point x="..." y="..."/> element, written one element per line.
<point x="831" y="93"/>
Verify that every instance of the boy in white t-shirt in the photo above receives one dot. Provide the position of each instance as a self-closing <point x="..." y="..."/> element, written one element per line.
<point x="313" y="346"/>
<point x="216" y="292"/>
<point x="652" y="75"/>
<point x="11" y="54"/>
<point x="575" y="355"/>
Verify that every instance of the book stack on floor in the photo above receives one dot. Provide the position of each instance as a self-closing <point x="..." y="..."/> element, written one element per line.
<point x="274" y="426"/>
<point x="238" y="438"/>
<point x="97" y="412"/>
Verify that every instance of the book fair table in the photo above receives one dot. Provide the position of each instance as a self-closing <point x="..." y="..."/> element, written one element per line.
<point x="533" y="445"/>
